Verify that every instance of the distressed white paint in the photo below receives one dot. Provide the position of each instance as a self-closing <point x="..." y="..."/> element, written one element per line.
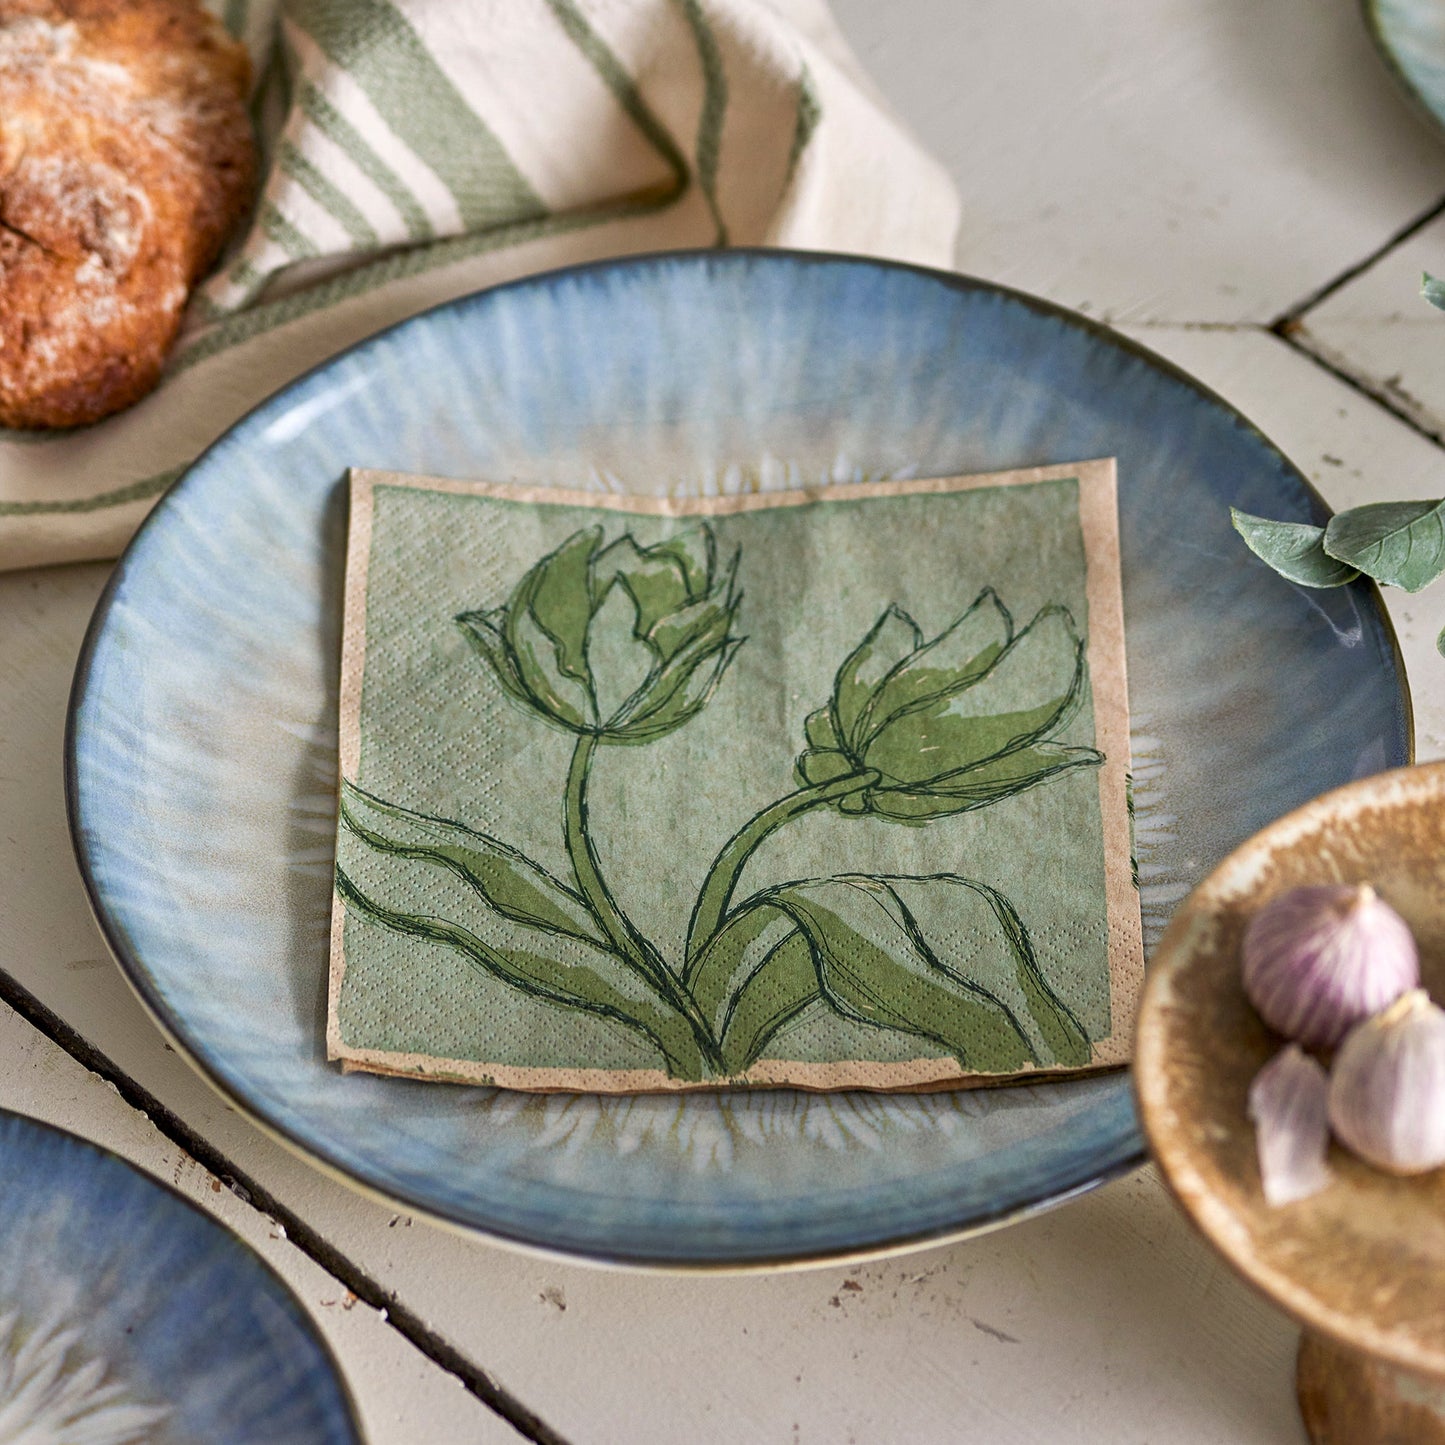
<point x="1380" y="330"/>
<point x="1179" y="160"/>
<point x="401" y="1397"/>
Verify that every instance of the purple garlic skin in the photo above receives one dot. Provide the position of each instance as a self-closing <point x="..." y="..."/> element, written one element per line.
<point x="1318" y="961"/>
<point x="1387" y="1088"/>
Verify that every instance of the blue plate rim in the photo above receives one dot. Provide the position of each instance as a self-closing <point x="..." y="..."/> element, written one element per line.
<point x="284" y="1292"/>
<point x="1385" y="49"/>
<point x="136" y="975"/>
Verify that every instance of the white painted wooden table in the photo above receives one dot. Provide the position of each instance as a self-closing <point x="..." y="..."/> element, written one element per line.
<point x="1237" y="185"/>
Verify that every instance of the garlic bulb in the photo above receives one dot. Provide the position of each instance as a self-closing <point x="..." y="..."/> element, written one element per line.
<point x="1288" y="1104"/>
<point x="1387" y="1088"/>
<point x="1319" y="960"/>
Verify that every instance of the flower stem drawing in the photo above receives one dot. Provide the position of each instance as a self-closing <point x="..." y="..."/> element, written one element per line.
<point x="629" y="943"/>
<point x="717" y="891"/>
<point x="619" y="645"/>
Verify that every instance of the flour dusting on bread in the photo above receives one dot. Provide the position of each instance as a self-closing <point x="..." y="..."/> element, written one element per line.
<point x="126" y="157"/>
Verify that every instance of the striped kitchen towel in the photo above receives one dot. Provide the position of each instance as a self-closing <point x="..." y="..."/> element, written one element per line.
<point x="416" y="150"/>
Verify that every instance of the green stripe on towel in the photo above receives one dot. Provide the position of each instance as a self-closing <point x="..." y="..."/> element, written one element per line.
<point x="135" y="492"/>
<point x="377" y="46"/>
<point x="714" y="109"/>
<point x="327" y="195"/>
<point x="286" y="235"/>
<point x="810" y="112"/>
<point x="340" y="131"/>
<point x="624" y="88"/>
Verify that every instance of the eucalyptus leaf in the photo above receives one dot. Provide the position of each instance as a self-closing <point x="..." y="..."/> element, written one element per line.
<point x="1399" y="544"/>
<point x="1432" y="288"/>
<point x="1294" y="549"/>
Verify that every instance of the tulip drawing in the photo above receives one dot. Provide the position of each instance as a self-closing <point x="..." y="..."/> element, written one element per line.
<point x="620" y="642"/>
<point x="619" y="645"/>
<point x="921" y="730"/>
<point x="615" y="643"/>
<point x="953" y="724"/>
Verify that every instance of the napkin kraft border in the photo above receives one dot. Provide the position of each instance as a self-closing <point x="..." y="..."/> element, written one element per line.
<point x="1099" y="525"/>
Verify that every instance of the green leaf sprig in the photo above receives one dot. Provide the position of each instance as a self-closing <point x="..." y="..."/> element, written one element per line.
<point x="1397" y="544"/>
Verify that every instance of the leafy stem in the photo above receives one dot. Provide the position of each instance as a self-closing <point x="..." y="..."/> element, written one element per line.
<point x="619" y="929"/>
<point x="727" y="867"/>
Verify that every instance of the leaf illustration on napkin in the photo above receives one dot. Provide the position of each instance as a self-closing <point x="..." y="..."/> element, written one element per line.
<point x="870" y="959"/>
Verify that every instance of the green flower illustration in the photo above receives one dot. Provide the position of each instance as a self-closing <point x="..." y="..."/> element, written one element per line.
<point x="953" y="724"/>
<point x="621" y="642"/>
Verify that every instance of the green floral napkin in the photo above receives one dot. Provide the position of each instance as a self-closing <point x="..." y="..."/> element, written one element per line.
<point x="826" y="789"/>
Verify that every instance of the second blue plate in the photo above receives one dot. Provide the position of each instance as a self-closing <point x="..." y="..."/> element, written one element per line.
<point x="129" y="1317"/>
<point x="1410" y="36"/>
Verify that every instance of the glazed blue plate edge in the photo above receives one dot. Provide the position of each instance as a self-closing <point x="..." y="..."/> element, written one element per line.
<point x="282" y="1292"/>
<point x="1432" y="113"/>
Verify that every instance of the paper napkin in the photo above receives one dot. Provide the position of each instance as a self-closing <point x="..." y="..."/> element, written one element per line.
<point x="826" y="788"/>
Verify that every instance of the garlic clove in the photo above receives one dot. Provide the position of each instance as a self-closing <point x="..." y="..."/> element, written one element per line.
<point x="1319" y="960"/>
<point x="1288" y="1104"/>
<point x="1387" y="1088"/>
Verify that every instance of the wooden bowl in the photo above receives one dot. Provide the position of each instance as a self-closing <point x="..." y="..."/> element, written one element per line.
<point x="1362" y="1264"/>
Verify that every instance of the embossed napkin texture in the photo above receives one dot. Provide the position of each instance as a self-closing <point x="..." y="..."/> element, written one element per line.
<point x="415" y="150"/>
<point x="823" y="789"/>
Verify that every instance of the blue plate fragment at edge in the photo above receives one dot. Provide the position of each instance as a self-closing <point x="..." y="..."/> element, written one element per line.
<point x="127" y="1314"/>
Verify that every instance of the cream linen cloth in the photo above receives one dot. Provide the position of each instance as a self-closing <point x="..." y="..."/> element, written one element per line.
<point x="416" y="150"/>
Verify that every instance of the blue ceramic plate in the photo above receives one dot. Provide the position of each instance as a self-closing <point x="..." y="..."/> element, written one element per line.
<point x="203" y="730"/>
<point x="128" y="1317"/>
<point x="1410" y="35"/>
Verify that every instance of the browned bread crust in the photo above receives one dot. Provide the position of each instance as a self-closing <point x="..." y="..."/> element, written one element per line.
<point x="126" y="157"/>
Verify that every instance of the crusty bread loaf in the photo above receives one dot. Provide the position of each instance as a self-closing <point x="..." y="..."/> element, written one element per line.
<point x="126" y="157"/>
